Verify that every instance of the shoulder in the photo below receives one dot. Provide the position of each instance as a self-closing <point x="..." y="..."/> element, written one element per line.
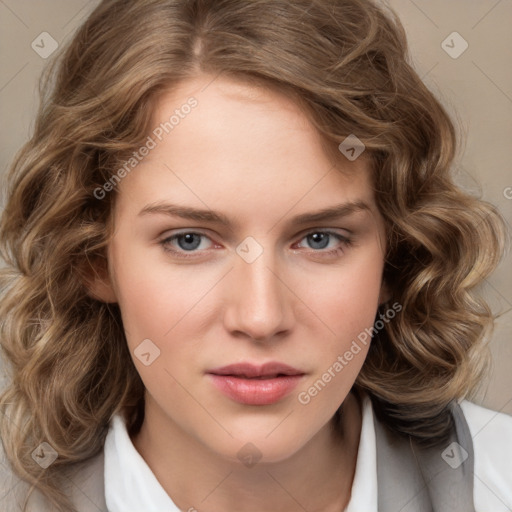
<point x="84" y="485"/>
<point x="491" y="432"/>
<point x="489" y="429"/>
<point x="481" y="416"/>
<point x="14" y="491"/>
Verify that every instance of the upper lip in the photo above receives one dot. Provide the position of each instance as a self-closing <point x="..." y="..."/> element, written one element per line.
<point x="249" y="370"/>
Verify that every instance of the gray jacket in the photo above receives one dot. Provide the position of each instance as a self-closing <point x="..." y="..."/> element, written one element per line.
<point x="410" y="478"/>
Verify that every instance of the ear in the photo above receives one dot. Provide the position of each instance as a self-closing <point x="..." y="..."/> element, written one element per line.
<point x="385" y="293"/>
<point x="98" y="282"/>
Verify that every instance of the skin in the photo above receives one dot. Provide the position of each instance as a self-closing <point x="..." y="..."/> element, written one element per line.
<point x="251" y="154"/>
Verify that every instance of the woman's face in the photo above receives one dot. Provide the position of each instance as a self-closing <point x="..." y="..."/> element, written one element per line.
<point x="258" y="279"/>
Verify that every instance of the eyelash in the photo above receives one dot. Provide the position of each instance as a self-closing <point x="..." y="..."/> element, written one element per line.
<point x="345" y="241"/>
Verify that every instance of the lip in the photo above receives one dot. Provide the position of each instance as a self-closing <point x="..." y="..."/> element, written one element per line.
<point x="251" y="384"/>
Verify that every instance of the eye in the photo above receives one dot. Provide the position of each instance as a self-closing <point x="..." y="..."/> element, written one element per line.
<point x="186" y="242"/>
<point x="190" y="244"/>
<point x="320" y="240"/>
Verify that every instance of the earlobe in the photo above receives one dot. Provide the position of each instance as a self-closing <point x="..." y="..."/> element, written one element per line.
<point x="385" y="293"/>
<point x="98" y="284"/>
<point x="101" y="290"/>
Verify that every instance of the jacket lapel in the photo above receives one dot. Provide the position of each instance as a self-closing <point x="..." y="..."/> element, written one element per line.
<point x="414" y="479"/>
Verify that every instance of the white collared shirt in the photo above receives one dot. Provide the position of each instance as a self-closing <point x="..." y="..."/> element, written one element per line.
<point x="131" y="486"/>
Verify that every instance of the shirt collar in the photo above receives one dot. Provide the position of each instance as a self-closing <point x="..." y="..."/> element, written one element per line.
<point x="364" y="486"/>
<point x="130" y="485"/>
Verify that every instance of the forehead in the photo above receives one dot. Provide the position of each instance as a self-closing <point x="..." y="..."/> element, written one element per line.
<point x="237" y="108"/>
<point x="229" y="111"/>
<point x="245" y="141"/>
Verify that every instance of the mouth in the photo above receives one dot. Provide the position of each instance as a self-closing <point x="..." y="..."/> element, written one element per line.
<point x="252" y="371"/>
<point x="250" y="384"/>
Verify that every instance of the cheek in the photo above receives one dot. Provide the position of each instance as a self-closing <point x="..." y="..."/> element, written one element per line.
<point x="153" y="298"/>
<point x="347" y="305"/>
<point x="347" y="299"/>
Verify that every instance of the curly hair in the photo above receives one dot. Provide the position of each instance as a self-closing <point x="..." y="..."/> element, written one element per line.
<point x="346" y="64"/>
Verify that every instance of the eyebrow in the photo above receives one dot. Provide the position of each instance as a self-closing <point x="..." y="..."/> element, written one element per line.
<point x="185" y="212"/>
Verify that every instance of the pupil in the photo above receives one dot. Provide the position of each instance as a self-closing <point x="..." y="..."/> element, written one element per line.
<point x="322" y="238"/>
<point x="188" y="238"/>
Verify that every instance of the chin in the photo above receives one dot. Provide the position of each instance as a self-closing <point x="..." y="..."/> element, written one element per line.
<point x="250" y="446"/>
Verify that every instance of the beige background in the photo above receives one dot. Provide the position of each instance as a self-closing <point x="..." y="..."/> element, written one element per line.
<point x="476" y="87"/>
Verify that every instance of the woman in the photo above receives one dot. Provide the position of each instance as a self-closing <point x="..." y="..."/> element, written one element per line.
<point x="240" y="276"/>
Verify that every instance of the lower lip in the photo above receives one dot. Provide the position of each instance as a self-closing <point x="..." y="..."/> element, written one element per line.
<point x="255" y="391"/>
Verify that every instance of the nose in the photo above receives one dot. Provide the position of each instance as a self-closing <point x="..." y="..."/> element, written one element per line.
<point x="258" y="304"/>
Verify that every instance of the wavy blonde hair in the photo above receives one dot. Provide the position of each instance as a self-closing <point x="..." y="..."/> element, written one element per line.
<point x="346" y="64"/>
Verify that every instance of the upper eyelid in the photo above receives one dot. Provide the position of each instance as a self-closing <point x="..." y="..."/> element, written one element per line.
<point x="201" y="231"/>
